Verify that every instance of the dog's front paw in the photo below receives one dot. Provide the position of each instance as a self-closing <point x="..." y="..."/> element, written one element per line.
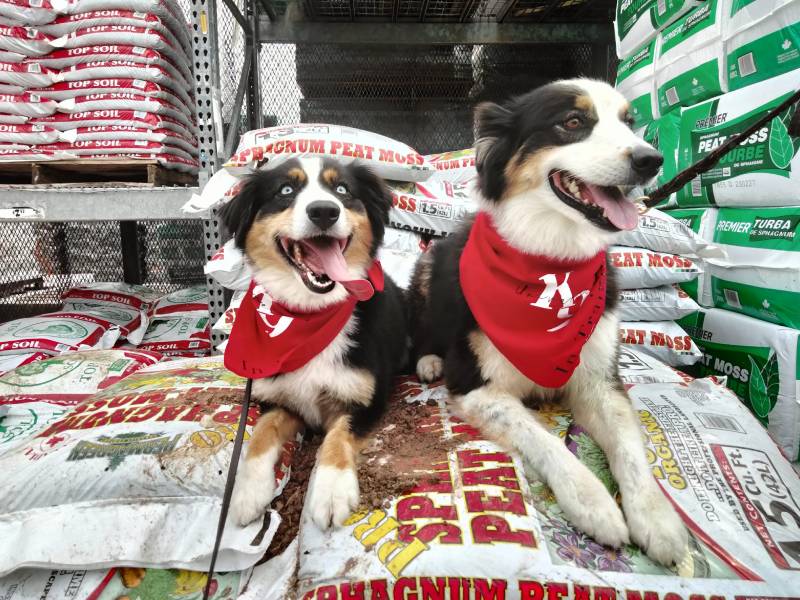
<point x="590" y="508"/>
<point x="254" y="490"/>
<point x="655" y="526"/>
<point x="333" y="496"/>
<point x="430" y="368"/>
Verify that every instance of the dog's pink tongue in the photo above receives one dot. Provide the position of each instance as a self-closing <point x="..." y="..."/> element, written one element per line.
<point x="623" y="214"/>
<point x="326" y="256"/>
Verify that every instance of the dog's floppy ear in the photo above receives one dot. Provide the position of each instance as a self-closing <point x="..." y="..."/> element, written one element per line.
<point x="238" y="214"/>
<point x="377" y="198"/>
<point x="494" y="146"/>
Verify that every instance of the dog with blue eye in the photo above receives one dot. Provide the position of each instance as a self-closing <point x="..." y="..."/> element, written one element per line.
<point x="321" y="331"/>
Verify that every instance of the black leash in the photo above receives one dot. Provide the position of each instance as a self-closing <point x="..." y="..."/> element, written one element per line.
<point x="713" y="157"/>
<point x="226" y="496"/>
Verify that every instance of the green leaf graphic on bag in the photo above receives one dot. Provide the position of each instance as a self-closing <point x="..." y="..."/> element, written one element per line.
<point x="781" y="149"/>
<point x="759" y="399"/>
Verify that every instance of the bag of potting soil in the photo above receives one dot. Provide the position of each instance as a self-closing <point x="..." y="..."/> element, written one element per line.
<point x="663" y="340"/>
<point x="638" y="21"/>
<point x="56" y="333"/>
<point x="636" y="81"/>
<point x="760" y="361"/>
<point x="660" y="232"/>
<point x="455" y="516"/>
<point x="690" y="65"/>
<point x="120" y="584"/>
<point x="141" y="469"/>
<point x="193" y="299"/>
<point x="702" y="222"/>
<point x="763" y="40"/>
<point x="132" y="323"/>
<point x="764" y="170"/>
<point x="12" y="361"/>
<point x="663" y="303"/>
<point x="435" y="209"/>
<point x="664" y="134"/>
<point x="635" y="366"/>
<point x="399" y="253"/>
<point x="178" y="332"/>
<point x="229" y="268"/>
<point x="38" y="393"/>
<point x="388" y="158"/>
<point x="635" y="268"/>
<point x="761" y="275"/>
<point x="457" y="167"/>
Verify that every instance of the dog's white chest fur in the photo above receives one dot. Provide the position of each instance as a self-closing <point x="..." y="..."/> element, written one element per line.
<point x="326" y="378"/>
<point x="597" y="361"/>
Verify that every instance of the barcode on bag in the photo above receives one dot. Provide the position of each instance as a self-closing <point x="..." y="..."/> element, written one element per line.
<point x="662" y="7"/>
<point x="732" y="298"/>
<point x="672" y="96"/>
<point x="697" y="187"/>
<point x="747" y="66"/>
<point x="721" y="422"/>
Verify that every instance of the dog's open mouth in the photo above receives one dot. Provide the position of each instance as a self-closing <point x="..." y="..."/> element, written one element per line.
<point x="318" y="260"/>
<point x="606" y="206"/>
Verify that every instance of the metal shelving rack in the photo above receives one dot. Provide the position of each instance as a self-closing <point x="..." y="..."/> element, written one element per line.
<point x="137" y="210"/>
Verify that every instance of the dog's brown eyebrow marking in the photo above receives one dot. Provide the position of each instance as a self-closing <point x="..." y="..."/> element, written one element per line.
<point x="584" y="102"/>
<point x="297" y="175"/>
<point x="330" y="176"/>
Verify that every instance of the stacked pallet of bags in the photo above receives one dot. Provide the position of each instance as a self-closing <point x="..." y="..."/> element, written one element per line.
<point x="96" y="79"/>
<point x="107" y="315"/>
<point x="696" y="82"/>
<point x="649" y="265"/>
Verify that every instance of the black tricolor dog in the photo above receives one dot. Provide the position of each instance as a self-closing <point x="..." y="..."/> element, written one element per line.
<point x="524" y="287"/>
<point x="310" y="229"/>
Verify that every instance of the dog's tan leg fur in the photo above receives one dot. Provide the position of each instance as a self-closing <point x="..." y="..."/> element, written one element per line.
<point x="333" y="492"/>
<point x="255" y="481"/>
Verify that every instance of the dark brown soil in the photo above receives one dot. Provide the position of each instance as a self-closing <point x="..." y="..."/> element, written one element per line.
<point x="402" y="453"/>
<point x="290" y="503"/>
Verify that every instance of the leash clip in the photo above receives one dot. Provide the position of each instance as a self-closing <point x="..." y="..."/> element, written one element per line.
<point x="641" y="204"/>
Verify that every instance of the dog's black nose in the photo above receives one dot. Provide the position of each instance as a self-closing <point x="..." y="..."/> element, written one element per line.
<point x="646" y="161"/>
<point x="323" y="213"/>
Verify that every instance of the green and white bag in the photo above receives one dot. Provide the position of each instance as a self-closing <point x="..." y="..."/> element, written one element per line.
<point x="762" y="41"/>
<point x="664" y="134"/>
<point x="764" y="170"/>
<point x="760" y="361"/>
<point x="635" y="81"/>
<point x="761" y="275"/>
<point x="701" y="221"/>
<point x="639" y="21"/>
<point x="689" y="61"/>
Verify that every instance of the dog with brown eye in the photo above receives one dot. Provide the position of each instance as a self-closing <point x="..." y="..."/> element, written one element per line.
<point x="321" y="331"/>
<point x="518" y="307"/>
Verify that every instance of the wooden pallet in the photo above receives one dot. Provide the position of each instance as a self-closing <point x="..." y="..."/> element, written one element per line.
<point x="94" y="173"/>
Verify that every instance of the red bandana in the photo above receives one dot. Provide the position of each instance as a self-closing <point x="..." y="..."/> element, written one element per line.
<point x="537" y="311"/>
<point x="268" y="338"/>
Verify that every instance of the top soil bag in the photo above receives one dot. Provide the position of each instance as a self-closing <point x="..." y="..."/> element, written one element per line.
<point x="764" y="170"/>
<point x="27" y="12"/>
<point x="388" y="158"/>
<point x="638" y="21"/>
